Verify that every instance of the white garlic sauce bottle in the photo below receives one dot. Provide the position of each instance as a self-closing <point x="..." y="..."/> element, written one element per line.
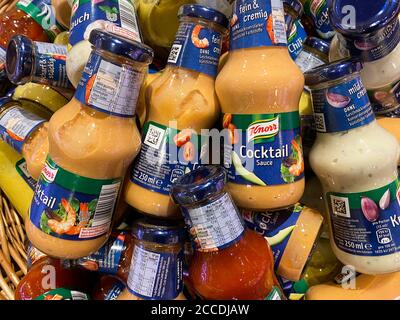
<point x="372" y="35"/>
<point x="356" y="162"/>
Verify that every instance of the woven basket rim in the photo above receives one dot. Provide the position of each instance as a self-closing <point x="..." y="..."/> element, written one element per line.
<point x="6" y="5"/>
<point x="13" y="256"/>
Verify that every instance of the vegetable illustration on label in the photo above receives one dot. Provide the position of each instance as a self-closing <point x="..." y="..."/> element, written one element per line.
<point x="374" y="229"/>
<point x="43" y="13"/>
<point x="243" y="172"/>
<point x="70" y="218"/>
<point x="293" y="166"/>
<point x="370" y="209"/>
<point x="280" y="236"/>
<point x="385" y="200"/>
<point x="73" y="207"/>
<point x="337" y="100"/>
<point x="111" y="13"/>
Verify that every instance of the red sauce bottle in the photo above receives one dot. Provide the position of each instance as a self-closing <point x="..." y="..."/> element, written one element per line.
<point x="34" y="19"/>
<point x="229" y="261"/>
<point x="48" y="274"/>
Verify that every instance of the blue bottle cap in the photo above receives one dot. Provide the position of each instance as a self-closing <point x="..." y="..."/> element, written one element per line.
<point x="19" y="59"/>
<point x="4" y="100"/>
<point x="198" y="185"/>
<point x="318" y="44"/>
<point x="122" y="46"/>
<point x="199" y="11"/>
<point x="159" y="231"/>
<point x="332" y="71"/>
<point x="296" y="5"/>
<point x="370" y="15"/>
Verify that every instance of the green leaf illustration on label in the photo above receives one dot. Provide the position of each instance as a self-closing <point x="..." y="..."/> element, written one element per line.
<point x="293" y="166"/>
<point x="280" y="236"/>
<point x="244" y="173"/>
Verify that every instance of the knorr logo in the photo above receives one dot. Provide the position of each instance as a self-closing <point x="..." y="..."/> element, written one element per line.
<point x="49" y="173"/>
<point x="75" y="5"/>
<point x="263" y="129"/>
<point x="316" y="6"/>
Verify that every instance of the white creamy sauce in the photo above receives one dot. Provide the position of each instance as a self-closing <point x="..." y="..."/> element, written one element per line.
<point x="359" y="160"/>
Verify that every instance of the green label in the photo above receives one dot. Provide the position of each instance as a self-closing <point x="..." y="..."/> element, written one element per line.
<point x="22" y="169"/>
<point x="63" y="294"/>
<point x="266" y="149"/>
<point x="72" y="207"/>
<point x="43" y="13"/>
<point x="366" y="223"/>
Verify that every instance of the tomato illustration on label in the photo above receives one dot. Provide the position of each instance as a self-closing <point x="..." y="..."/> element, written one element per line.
<point x="197" y="42"/>
<point x="14" y="136"/>
<point x="270" y="28"/>
<point x="89" y="86"/>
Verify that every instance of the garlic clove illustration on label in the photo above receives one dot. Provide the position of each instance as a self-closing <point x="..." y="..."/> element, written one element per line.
<point x="385" y="200"/>
<point x="337" y="100"/>
<point x="369" y="209"/>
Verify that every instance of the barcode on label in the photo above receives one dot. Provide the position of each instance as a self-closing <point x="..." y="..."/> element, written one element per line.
<point x="128" y="16"/>
<point x="76" y="295"/>
<point x="154" y="137"/>
<point x="105" y="205"/>
<point x="340" y="206"/>
<point x="174" y="54"/>
<point x="319" y="119"/>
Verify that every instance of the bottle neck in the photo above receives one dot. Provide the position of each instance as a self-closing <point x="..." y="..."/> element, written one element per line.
<point x="165" y="262"/>
<point x="341" y="105"/>
<point x="258" y="23"/>
<point x="374" y="46"/>
<point x="197" y="46"/>
<point x="107" y="259"/>
<point x="209" y="236"/>
<point x="111" y="84"/>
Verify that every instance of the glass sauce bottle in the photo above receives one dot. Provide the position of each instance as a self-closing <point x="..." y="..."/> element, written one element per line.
<point x="181" y="102"/>
<point x="356" y="161"/>
<point x="229" y="261"/>
<point x="265" y="155"/>
<point x="157" y="262"/>
<point x="93" y="139"/>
